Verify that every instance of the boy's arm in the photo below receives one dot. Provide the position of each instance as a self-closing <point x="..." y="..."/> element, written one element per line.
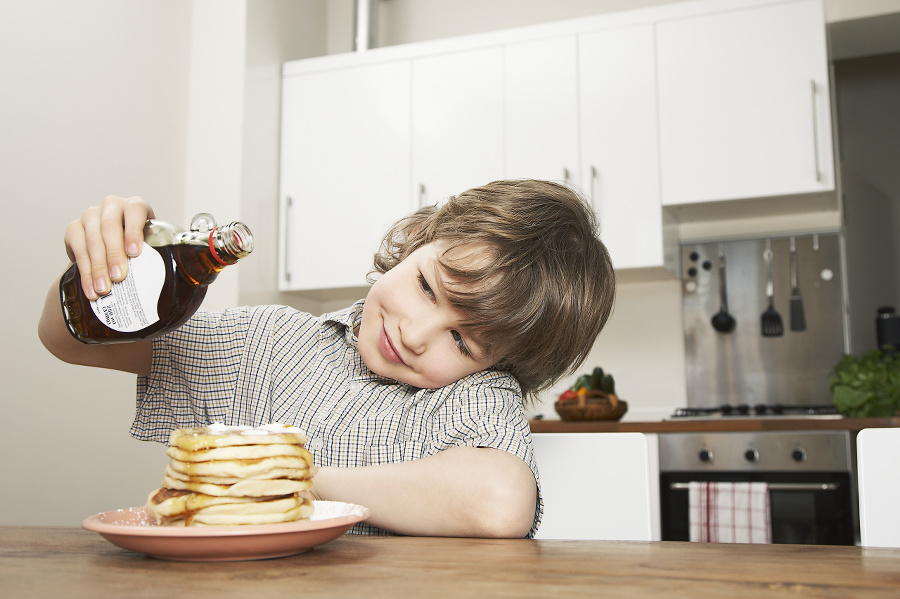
<point x="128" y="357"/>
<point x="462" y="491"/>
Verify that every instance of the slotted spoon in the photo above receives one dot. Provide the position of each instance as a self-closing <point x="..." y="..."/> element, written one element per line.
<point x="770" y="321"/>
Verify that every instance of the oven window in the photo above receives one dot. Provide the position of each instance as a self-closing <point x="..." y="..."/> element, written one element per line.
<point x="793" y="517"/>
<point x="809" y="517"/>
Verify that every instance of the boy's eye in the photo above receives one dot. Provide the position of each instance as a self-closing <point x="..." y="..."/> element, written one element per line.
<point x="425" y="286"/>
<point x="460" y="343"/>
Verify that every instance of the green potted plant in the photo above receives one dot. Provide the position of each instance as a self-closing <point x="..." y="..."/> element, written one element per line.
<point x="867" y="386"/>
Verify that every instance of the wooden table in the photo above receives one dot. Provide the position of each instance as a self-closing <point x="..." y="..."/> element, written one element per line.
<point x="72" y="563"/>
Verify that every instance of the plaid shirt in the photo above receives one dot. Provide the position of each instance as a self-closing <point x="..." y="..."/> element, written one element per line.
<point x="256" y="365"/>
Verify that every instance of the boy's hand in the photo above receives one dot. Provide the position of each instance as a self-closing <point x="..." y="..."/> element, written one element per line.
<point x="103" y="239"/>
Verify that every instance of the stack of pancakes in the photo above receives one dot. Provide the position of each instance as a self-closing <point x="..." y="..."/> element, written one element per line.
<point x="226" y="475"/>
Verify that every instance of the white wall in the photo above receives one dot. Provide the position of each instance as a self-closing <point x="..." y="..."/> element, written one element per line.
<point x="215" y="124"/>
<point x="93" y="103"/>
<point x="98" y="98"/>
<point x="846" y="10"/>
<point x="406" y="21"/>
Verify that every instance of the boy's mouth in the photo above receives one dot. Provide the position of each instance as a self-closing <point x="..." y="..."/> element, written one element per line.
<point x="388" y="350"/>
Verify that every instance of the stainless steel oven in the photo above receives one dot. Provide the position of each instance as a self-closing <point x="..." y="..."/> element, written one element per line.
<point x="810" y="477"/>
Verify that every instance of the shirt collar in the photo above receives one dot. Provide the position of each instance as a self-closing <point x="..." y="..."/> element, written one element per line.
<point x="350" y="318"/>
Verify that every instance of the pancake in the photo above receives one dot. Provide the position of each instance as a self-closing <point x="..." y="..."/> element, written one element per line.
<point x="184" y="508"/>
<point x="201" y="519"/>
<point x="227" y="475"/>
<point x="220" y="435"/>
<point x="245" y="488"/>
<point x="275" y="473"/>
<point x="168" y="503"/>
<point x="243" y="468"/>
<point x="238" y="452"/>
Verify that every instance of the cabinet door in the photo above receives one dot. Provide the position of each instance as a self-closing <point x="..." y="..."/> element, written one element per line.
<point x="345" y="171"/>
<point x="457" y="122"/>
<point x="542" y="110"/>
<point x="599" y="486"/>
<point x="619" y="143"/>
<point x="744" y="104"/>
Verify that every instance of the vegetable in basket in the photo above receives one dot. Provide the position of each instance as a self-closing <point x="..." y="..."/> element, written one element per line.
<point x="598" y="380"/>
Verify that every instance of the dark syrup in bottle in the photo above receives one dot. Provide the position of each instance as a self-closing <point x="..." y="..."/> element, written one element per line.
<point x="191" y="261"/>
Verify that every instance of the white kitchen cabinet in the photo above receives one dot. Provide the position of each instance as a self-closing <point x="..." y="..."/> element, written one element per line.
<point x="879" y="486"/>
<point x="744" y="108"/>
<point x="582" y="108"/>
<point x="602" y="486"/>
<point x="619" y="143"/>
<point x="676" y="107"/>
<point x="541" y="109"/>
<point x="345" y="170"/>
<point x="457" y="122"/>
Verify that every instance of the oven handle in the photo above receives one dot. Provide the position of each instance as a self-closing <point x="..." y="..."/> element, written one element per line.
<point x="776" y="486"/>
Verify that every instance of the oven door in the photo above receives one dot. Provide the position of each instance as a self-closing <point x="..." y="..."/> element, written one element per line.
<point x="806" y="508"/>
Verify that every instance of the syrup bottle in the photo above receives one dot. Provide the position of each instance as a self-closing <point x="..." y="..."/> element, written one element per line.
<point x="164" y="286"/>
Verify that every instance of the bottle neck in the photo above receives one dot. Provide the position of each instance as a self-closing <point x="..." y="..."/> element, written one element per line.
<point x="229" y="243"/>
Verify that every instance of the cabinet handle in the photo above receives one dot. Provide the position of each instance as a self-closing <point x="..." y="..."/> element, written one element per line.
<point x="566" y="177"/>
<point x="421" y="195"/>
<point x="815" y="116"/>
<point x="594" y="197"/>
<point x="289" y="202"/>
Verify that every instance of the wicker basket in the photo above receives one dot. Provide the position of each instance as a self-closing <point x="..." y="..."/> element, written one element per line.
<point x="596" y="405"/>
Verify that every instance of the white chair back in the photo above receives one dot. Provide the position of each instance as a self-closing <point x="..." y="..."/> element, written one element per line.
<point x="877" y="453"/>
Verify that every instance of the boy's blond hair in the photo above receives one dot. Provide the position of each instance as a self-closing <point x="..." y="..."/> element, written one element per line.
<point x="545" y="286"/>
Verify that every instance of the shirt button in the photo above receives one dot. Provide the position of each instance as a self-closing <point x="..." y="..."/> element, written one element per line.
<point x="315" y="444"/>
<point x="355" y="387"/>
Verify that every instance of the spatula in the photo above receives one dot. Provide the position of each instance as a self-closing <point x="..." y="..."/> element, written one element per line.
<point x="798" y="316"/>
<point x="770" y="319"/>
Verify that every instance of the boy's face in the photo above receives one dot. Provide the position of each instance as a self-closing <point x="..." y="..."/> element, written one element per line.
<point x="410" y="332"/>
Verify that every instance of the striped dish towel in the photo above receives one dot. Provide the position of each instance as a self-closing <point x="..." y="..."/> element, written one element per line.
<point x="729" y="512"/>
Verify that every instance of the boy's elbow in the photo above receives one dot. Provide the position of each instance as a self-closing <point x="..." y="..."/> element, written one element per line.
<point x="60" y="343"/>
<point x="507" y="507"/>
<point x="50" y="340"/>
<point x="506" y="524"/>
<point x="52" y="331"/>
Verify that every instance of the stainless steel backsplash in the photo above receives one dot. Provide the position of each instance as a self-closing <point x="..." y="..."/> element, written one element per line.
<point x="744" y="366"/>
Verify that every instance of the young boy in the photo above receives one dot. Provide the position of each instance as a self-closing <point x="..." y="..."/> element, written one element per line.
<point x="413" y="398"/>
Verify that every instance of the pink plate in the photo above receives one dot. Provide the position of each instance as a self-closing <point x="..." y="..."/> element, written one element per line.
<point x="132" y="528"/>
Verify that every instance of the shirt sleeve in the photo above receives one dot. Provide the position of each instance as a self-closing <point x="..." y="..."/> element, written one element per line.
<point x="214" y="368"/>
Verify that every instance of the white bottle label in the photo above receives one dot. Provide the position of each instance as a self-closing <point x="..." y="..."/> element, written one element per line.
<point x="131" y="305"/>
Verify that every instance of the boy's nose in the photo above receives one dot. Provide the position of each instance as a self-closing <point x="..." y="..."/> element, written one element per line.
<point x="416" y="332"/>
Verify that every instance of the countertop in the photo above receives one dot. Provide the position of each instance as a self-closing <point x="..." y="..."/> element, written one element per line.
<point x="72" y="563"/>
<point x="741" y="423"/>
